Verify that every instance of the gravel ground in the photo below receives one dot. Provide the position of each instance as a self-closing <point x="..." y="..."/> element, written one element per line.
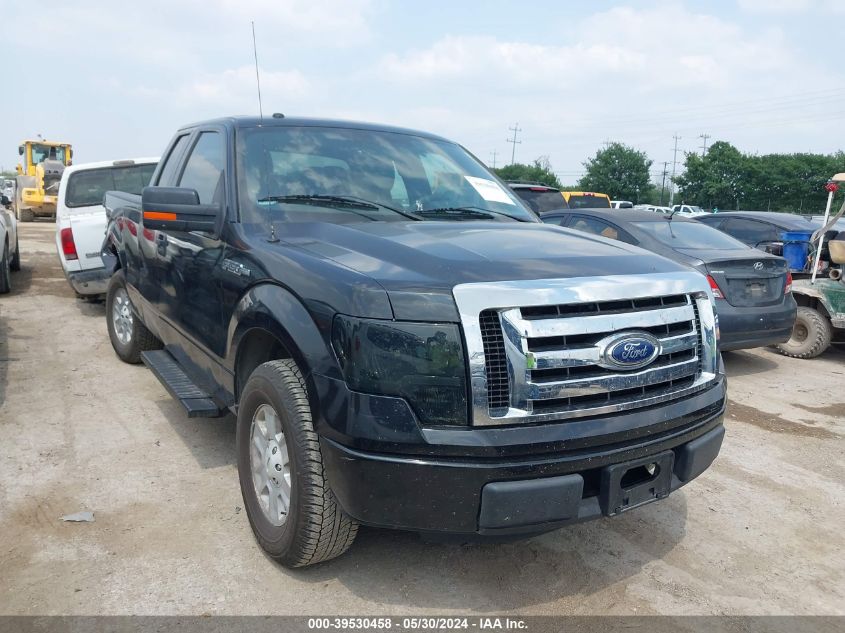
<point x="759" y="533"/>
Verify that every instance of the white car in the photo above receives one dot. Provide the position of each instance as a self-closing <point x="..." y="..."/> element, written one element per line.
<point x="10" y="255"/>
<point x="688" y="209"/>
<point x="621" y="204"/>
<point x="81" y="218"/>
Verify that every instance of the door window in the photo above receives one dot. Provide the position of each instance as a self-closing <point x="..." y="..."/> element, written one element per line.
<point x="594" y="226"/>
<point x="168" y="170"/>
<point x="750" y="231"/>
<point x="205" y="168"/>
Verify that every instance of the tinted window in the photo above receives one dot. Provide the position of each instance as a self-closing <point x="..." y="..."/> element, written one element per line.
<point x="86" y="188"/>
<point x="751" y="231"/>
<point x="588" y="202"/>
<point x="541" y="200"/>
<point x="205" y="167"/>
<point x="594" y="226"/>
<point x="400" y="174"/>
<point x="168" y="171"/>
<point x="689" y="235"/>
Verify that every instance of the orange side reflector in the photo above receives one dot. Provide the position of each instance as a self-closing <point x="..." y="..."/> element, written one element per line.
<point x="158" y="215"/>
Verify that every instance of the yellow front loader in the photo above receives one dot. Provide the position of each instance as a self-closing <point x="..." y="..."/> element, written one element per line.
<point x="38" y="178"/>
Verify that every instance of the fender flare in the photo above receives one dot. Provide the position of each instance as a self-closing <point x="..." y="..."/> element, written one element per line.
<point x="276" y="310"/>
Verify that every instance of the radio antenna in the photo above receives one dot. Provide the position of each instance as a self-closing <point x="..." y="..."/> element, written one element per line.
<point x="257" y="76"/>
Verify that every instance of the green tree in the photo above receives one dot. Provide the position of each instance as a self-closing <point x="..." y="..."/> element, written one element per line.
<point x="620" y="171"/>
<point x="727" y="179"/>
<point x="540" y="171"/>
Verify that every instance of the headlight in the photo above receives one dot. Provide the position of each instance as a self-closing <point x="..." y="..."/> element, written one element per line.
<point x="420" y="362"/>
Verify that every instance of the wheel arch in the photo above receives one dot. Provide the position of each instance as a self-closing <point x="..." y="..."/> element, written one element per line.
<point x="812" y="299"/>
<point x="271" y="323"/>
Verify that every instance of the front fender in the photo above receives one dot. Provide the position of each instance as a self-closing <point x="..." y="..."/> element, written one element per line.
<point x="306" y="334"/>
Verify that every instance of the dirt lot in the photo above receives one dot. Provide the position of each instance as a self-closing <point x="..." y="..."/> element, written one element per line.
<point x="760" y="533"/>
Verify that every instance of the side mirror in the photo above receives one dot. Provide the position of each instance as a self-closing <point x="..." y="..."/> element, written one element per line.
<point x="177" y="209"/>
<point x="20" y="150"/>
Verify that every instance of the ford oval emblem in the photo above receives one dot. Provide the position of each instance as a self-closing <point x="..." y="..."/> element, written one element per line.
<point x="630" y="350"/>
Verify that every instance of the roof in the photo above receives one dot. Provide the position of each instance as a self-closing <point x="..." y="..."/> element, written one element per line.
<point x="531" y="185"/>
<point x="272" y="121"/>
<point x="109" y="163"/>
<point x="790" y="219"/>
<point x="619" y="215"/>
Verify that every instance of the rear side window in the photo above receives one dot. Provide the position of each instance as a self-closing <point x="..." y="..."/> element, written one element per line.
<point x="541" y="200"/>
<point x="168" y="171"/>
<point x="594" y="226"/>
<point x="205" y="167"/>
<point x="87" y="188"/>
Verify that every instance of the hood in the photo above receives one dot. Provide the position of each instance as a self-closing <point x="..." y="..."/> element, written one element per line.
<point x="418" y="263"/>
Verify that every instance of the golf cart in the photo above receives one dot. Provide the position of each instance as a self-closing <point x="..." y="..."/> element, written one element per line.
<point x="821" y="298"/>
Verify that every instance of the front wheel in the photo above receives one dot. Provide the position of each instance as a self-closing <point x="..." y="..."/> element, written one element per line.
<point x="811" y="335"/>
<point x="26" y="215"/>
<point x="290" y="505"/>
<point x="129" y="337"/>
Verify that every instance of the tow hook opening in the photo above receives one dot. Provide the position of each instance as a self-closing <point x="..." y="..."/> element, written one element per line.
<point x="639" y="475"/>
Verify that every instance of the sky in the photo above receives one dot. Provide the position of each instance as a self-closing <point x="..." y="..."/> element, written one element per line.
<point x="116" y="79"/>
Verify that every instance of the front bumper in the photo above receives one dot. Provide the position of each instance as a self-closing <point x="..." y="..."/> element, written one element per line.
<point x="89" y="282"/>
<point x="519" y="494"/>
<point x="746" y="328"/>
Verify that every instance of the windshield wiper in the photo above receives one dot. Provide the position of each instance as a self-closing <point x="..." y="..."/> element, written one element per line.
<point x="468" y="212"/>
<point x="327" y="200"/>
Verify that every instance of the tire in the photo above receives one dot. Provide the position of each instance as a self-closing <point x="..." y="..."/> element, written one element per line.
<point x="5" y="274"/>
<point x="129" y="337"/>
<point x="26" y="215"/>
<point x="15" y="264"/>
<point x="811" y="335"/>
<point x="313" y="528"/>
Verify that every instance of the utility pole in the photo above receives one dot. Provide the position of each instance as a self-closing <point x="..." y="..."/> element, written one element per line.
<point x="674" y="165"/>
<point x="704" y="144"/>
<point x="663" y="184"/>
<point x="516" y="130"/>
<point x="493" y="154"/>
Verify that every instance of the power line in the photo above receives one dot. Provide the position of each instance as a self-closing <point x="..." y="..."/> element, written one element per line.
<point x="704" y="144"/>
<point x="516" y="130"/>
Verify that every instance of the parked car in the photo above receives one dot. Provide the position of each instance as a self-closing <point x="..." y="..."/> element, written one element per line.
<point x="621" y="204"/>
<point x="538" y="197"/>
<point x="586" y="200"/>
<point x="10" y="254"/>
<point x="403" y="342"/>
<point x="760" y="229"/>
<point x="654" y="208"/>
<point x="81" y="218"/>
<point x="752" y="288"/>
<point x="687" y="209"/>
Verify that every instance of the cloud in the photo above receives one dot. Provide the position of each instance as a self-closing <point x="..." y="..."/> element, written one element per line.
<point x="791" y="7"/>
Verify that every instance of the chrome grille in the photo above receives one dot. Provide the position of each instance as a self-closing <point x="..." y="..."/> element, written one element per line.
<point x="545" y="361"/>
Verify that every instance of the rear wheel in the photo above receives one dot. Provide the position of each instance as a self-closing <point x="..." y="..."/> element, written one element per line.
<point x="811" y="334"/>
<point x="26" y="215"/>
<point x="5" y="274"/>
<point x="129" y="337"/>
<point x="288" y="500"/>
<point x="15" y="264"/>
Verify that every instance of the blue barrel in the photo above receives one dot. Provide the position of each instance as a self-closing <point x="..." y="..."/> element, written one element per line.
<point x="796" y="248"/>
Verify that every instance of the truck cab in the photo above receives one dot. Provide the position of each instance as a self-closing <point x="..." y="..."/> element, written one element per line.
<point x="402" y="342"/>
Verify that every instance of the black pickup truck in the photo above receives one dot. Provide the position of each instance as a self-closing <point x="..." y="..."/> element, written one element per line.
<point x="404" y="344"/>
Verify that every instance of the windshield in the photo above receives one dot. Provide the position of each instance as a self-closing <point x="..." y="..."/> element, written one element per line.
<point x="588" y="202"/>
<point x="541" y="200"/>
<point x="690" y="235"/>
<point x="40" y="153"/>
<point x="302" y="174"/>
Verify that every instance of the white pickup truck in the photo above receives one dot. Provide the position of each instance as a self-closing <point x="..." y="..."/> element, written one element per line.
<point x="81" y="218"/>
